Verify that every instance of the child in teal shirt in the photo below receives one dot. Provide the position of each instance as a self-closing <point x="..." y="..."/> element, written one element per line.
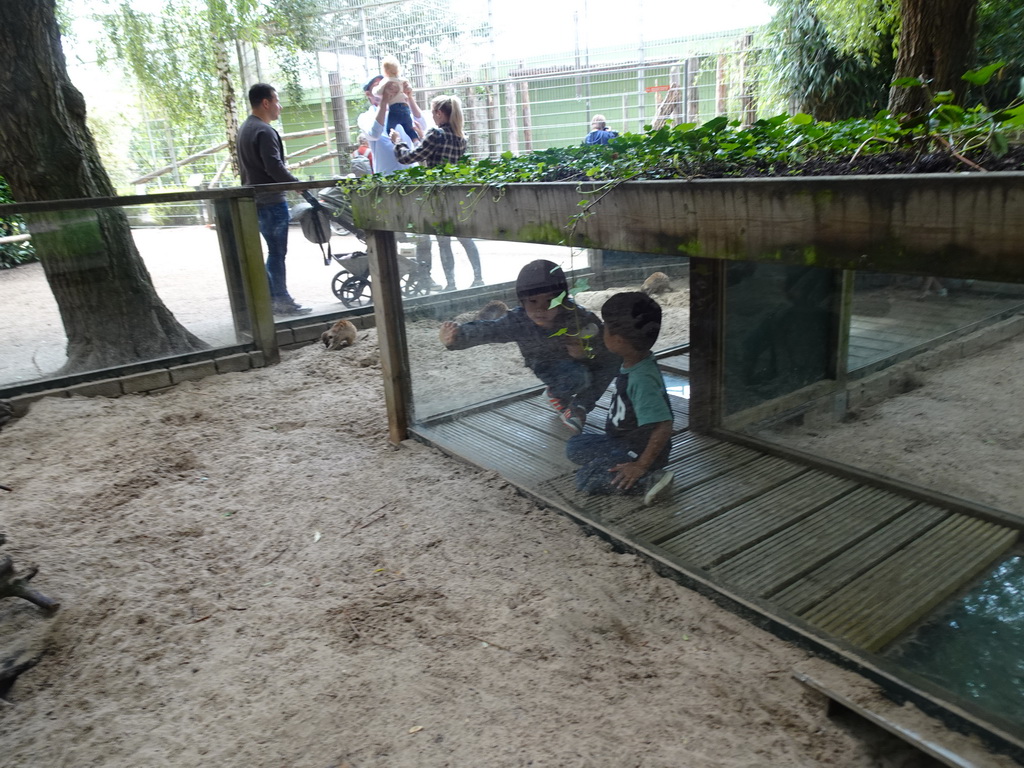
<point x="629" y="458"/>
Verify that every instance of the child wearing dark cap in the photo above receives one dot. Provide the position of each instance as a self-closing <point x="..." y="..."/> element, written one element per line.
<point x="561" y="342"/>
<point x="629" y="458"/>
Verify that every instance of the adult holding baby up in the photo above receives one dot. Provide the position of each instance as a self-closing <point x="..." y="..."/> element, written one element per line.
<point x="445" y="143"/>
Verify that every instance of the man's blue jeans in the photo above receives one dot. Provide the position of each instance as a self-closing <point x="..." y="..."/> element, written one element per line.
<point x="273" y="220"/>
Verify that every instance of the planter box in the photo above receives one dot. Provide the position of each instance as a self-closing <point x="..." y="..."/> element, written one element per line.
<point x="948" y="225"/>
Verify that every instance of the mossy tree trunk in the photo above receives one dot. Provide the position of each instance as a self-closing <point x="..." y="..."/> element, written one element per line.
<point x="110" y="310"/>
<point x="936" y="43"/>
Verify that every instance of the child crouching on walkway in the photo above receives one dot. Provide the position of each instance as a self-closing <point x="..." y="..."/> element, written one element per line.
<point x="629" y="458"/>
<point x="560" y="341"/>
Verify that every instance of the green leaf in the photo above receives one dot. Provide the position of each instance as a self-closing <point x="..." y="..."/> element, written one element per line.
<point x="801" y="119"/>
<point x="983" y="75"/>
<point x="907" y="82"/>
<point x="557" y="301"/>
<point x="583" y="284"/>
<point x="998" y="145"/>
<point x="944" y="97"/>
<point x="559" y="332"/>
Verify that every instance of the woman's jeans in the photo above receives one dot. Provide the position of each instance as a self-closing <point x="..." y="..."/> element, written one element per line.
<point x="273" y="220"/>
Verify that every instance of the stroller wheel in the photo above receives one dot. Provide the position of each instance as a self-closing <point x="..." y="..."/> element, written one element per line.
<point x="355" y="291"/>
<point x="413" y="285"/>
<point x="338" y="281"/>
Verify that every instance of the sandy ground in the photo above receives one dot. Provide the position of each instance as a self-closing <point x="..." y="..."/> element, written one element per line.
<point x="251" y="577"/>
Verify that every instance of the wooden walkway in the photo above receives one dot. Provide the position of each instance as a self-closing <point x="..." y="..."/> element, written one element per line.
<point x="857" y="563"/>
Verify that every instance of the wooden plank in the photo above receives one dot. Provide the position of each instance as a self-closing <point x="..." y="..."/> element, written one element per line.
<point x="817" y="585"/>
<point x="877" y="607"/>
<point x="783" y="558"/>
<point x="463" y="439"/>
<point x="711" y="497"/>
<point x="707" y="458"/>
<point x="744" y="526"/>
<point x="897" y="223"/>
<point x="904" y="720"/>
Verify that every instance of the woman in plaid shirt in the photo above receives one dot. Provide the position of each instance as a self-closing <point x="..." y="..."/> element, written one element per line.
<point x="444" y="144"/>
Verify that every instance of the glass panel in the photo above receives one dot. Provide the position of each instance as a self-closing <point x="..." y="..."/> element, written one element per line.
<point x="128" y="295"/>
<point x="779" y="323"/>
<point x="894" y="316"/>
<point x="973" y="649"/>
<point x="446" y="382"/>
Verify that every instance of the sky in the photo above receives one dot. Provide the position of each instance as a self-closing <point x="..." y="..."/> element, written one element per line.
<point x="537" y="27"/>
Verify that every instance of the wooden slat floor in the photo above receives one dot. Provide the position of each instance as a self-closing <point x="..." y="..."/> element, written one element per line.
<point x="859" y="563"/>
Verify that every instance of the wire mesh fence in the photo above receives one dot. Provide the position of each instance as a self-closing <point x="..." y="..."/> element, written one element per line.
<point x="516" y="99"/>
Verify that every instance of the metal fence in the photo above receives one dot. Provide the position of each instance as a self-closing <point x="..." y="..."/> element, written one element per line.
<point x="512" y="103"/>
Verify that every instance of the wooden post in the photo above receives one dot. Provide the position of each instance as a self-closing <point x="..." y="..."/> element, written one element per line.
<point x="692" y="90"/>
<point x="238" y="230"/>
<point x="510" y="111"/>
<point x="707" y="305"/>
<point x="747" y="111"/>
<point x="722" y="86"/>
<point x="339" y="111"/>
<point x="493" y="123"/>
<point x="385" y="283"/>
<point x="524" y="96"/>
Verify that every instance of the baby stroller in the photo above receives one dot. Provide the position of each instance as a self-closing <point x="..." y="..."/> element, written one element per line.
<point x="352" y="284"/>
<point x="330" y="213"/>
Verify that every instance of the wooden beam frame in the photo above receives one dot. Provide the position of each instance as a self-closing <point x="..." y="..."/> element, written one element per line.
<point x="385" y="283"/>
<point x="947" y="225"/>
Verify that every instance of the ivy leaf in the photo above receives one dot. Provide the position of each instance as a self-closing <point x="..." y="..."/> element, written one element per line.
<point x="557" y="301"/>
<point x="559" y="332"/>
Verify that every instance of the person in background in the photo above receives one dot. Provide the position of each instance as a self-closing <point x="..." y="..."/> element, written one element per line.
<point x="363" y="149"/>
<point x="445" y="143"/>
<point x="600" y="133"/>
<point x="630" y="457"/>
<point x="261" y="161"/>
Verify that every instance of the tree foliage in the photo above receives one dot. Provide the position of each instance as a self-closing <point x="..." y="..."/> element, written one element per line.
<point x="178" y="56"/>
<point x="850" y="43"/>
<point x="813" y="74"/>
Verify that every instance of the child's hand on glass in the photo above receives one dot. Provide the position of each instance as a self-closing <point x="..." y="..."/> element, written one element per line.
<point x="449" y="331"/>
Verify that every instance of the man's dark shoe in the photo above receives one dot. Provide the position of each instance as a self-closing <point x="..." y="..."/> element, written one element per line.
<point x="289" y="307"/>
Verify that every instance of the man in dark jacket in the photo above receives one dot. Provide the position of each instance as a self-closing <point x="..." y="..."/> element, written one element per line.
<point x="261" y="161"/>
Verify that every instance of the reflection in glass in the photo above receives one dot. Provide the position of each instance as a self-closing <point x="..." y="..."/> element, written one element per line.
<point x="779" y="322"/>
<point x="974" y="648"/>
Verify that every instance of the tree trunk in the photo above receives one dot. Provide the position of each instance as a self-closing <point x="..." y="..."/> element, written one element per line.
<point x="227" y="92"/>
<point x="111" y="313"/>
<point x="936" y="40"/>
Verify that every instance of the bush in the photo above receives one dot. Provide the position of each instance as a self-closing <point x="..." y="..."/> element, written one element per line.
<point x="13" y="254"/>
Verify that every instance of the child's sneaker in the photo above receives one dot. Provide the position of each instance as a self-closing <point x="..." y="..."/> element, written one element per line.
<point x="574" y="418"/>
<point x="660" y="483"/>
<point x="556" y="402"/>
